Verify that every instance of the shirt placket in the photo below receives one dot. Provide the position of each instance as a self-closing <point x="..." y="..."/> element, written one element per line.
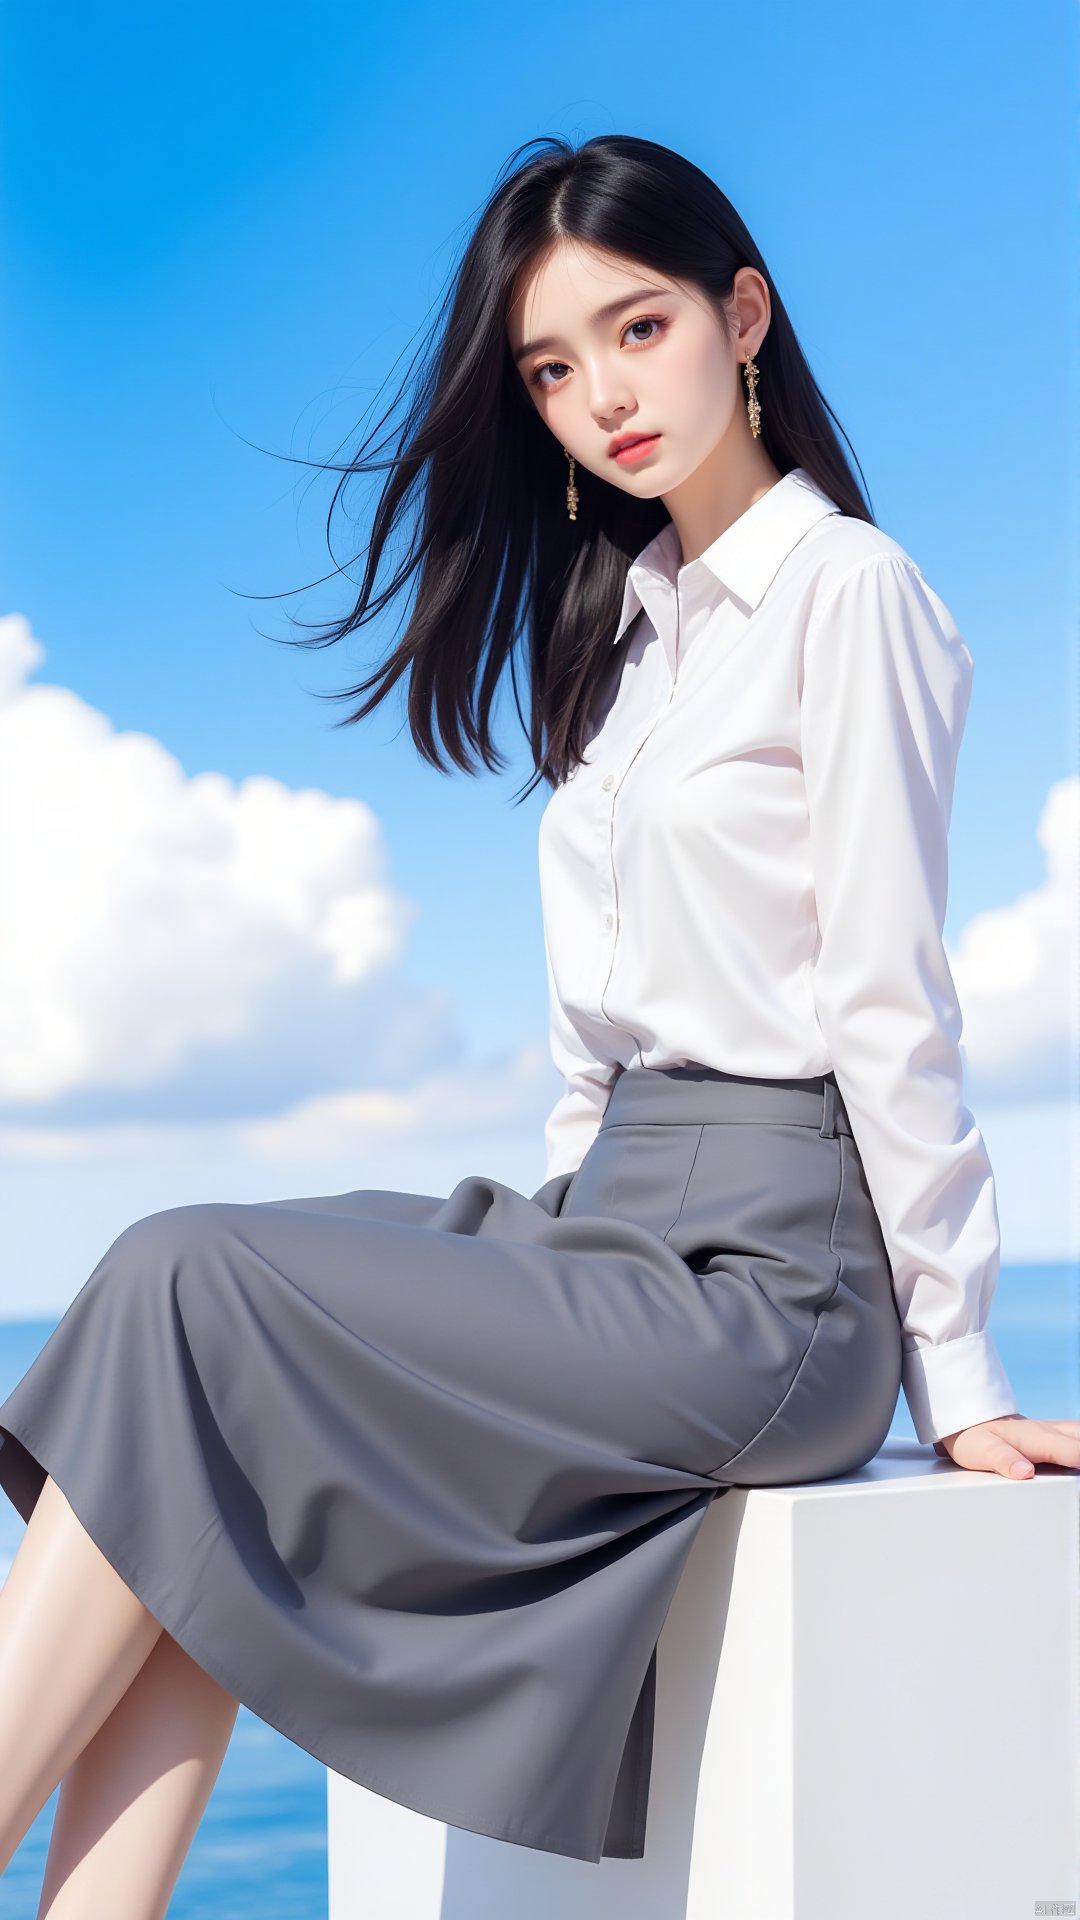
<point x="664" y="613"/>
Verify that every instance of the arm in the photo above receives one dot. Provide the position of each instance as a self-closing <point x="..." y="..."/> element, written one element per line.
<point x="574" y="1121"/>
<point x="887" y="682"/>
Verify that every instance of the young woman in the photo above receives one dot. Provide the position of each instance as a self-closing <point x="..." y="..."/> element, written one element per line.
<point x="415" y="1477"/>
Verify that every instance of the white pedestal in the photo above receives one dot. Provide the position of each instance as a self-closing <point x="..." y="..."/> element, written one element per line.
<point x="867" y="1699"/>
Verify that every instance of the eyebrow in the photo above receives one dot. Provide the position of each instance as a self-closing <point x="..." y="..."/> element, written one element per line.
<point x="602" y="313"/>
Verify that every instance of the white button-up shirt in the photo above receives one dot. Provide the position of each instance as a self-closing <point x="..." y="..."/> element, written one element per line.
<point x="749" y="871"/>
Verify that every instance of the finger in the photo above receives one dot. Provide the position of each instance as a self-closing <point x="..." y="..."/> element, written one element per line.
<point x="988" y="1451"/>
<point x="1042" y="1441"/>
<point x="1060" y="1449"/>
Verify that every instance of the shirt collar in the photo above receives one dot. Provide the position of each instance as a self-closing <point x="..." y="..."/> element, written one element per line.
<point x="744" y="557"/>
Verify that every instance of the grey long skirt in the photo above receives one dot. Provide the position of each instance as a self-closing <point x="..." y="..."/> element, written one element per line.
<point x="415" y="1477"/>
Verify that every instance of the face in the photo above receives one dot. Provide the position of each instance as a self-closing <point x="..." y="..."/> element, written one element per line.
<point x="608" y="348"/>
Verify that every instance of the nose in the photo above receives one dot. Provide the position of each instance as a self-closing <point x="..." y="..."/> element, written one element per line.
<point x="611" y="402"/>
<point x="613" y="414"/>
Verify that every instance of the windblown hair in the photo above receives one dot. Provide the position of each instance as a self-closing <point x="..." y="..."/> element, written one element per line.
<point x="479" y="481"/>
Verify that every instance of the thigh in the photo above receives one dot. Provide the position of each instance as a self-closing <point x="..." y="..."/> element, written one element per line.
<point x="481" y="1305"/>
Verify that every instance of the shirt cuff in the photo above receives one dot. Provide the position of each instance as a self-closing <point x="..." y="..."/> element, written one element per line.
<point x="955" y="1384"/>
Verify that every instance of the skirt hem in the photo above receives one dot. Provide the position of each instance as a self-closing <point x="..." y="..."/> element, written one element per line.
<point x="265" y="1702"/>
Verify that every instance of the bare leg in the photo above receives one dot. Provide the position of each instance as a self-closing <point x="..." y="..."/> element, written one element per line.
<point x="72" y="1638"/>
<point x="131" y="1803"/>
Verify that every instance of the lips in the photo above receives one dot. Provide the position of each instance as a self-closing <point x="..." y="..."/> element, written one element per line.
<point x="629" y="440"/>
<point x="635" y="452"/>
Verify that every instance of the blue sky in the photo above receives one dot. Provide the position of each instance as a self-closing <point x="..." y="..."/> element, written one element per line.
<point x="223" y="230"/>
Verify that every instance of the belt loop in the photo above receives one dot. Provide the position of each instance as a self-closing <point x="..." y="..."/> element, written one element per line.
<point x="828" y="1110"/>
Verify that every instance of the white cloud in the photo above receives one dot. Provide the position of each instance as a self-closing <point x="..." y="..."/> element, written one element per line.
<point x="203" y="996"/>
<point x="1017" y="972"/>
<point x="450" y="1105"/>
<point x="179" y="948"/>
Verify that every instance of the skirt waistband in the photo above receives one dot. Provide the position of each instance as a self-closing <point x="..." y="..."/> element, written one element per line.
<point x="695" y="1095"/>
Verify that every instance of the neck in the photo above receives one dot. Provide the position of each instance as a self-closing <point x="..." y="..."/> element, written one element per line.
<point x="736" y="474"/>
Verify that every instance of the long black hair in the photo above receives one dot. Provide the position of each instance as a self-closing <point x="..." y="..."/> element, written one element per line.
<point x="479" y="481"/>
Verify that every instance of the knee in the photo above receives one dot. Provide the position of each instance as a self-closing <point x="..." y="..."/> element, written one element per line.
<point x="174" y="1246"/>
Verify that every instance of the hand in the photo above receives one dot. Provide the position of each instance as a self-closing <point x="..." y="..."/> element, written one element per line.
<point x="1011" y="1445"/>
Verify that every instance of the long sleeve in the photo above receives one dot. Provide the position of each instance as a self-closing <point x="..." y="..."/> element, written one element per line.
<point x="574" y="1120"/>
<point x="886" y="686"/>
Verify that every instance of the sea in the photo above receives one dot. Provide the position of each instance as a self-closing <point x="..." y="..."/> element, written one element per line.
<point x="260" y="1849"/>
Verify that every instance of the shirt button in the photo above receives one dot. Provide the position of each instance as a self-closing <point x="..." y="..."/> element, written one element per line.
<point x="607" y="781"/>
<point x="609" y="919"/>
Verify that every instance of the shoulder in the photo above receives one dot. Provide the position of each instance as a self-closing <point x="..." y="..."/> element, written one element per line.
<point x="863" y="580"/>
<point x="841" y="543"/>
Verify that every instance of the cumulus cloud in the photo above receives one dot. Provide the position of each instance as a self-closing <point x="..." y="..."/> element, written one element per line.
<point x="1017" y="972"/>
<point x="189" y="950"/>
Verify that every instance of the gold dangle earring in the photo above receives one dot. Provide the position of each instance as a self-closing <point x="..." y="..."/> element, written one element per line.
<point x="752" y="407"/>
<point x="571" y="490"/>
